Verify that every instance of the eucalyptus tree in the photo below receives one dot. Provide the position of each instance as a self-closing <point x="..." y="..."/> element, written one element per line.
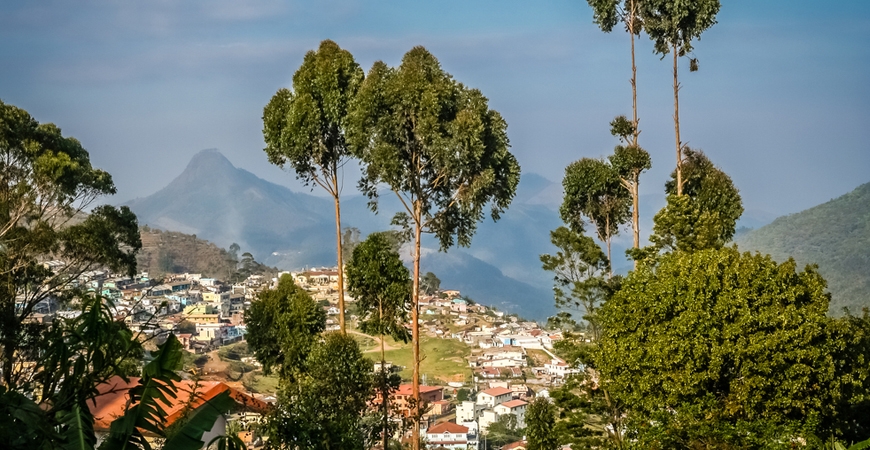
<point x="608" y="13"/>
<point x="381" y="286"/>
<point x="439" y="148"/>
<point x="629" y="161"/>
<point x="594" y="193"/>
<point x="306" y="128"/>
<point x="672" y="25"/>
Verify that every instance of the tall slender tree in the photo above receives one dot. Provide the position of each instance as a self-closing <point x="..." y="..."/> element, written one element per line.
<point x="673" y="25"/>
<point x="381" y="286"/>
<point x="594" y="193"/>
<point x="629" y="161"/>
<point x="436" y="144"/>
<point x="306" y="128"/>
<point x="608" y="13"/>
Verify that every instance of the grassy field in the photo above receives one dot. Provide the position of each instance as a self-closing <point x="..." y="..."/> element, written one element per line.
<point x="443" y="359"/>
<point x="539" y="357"/>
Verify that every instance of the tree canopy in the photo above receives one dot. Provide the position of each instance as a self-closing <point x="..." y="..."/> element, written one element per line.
<point x="706" y="215"/>
<point x="283" y="325"/>
<point x="381" y="286"/>
<point x="306" y="128"/>
<point x="322" y="408"/>
<point x="594" y="193"/>
<point x="721" y="347"/>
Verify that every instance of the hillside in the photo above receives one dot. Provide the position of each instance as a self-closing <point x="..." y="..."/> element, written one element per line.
<point x="835" y="235"/>
<point x="172" y="252"/>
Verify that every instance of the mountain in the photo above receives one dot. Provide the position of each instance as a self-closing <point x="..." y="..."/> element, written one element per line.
<point x="223" y="204"/>
<point x="211" y="199"/>
<point x="835" y="235"/>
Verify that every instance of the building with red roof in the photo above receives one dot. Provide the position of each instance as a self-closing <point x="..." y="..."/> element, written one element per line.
<point x="451" y="436"/>
<point x="111" y="403"/>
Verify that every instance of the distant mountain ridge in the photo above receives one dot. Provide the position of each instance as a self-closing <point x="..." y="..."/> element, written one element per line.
<point x="214" y="200"/>
<point x="835" y="235"/>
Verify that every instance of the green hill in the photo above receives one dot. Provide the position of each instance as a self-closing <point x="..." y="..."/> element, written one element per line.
<point x="835" y="235"/>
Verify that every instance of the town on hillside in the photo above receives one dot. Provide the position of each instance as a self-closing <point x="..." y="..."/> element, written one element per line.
<point x="497" y="362"/>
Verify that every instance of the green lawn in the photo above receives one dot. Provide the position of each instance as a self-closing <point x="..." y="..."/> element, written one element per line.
<point x="442" y="359"/>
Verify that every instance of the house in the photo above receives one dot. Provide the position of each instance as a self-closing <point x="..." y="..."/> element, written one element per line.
<point x="559" y="368"/>
<point x="402" y="397"/>
<point x="515" y="407"/>
<point x="468" y="411"/>
<point x="494" y="396"/>
<point x="518" y="445"/>
<point x="451" y="436"/>
<point x="113" y="396"/>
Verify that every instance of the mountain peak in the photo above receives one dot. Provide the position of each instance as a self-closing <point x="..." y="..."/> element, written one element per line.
<point x="209" y="159"/>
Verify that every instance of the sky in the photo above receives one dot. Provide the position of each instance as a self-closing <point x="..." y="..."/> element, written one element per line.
<point x="780" y="102"/>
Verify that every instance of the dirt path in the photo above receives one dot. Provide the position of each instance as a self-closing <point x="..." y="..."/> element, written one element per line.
<point x="377" y="339"/>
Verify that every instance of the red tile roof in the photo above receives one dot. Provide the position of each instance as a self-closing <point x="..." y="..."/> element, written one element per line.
<point x="111" y="401"/>
<point x="515" y="445"/>
<point x="495" y="392"/>
<point x="447" y="427"/>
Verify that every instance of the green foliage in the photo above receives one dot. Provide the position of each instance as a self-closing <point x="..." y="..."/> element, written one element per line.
<point x="283" y="325"/>
<point x="630" y="161"/>
<point x="46" y="183"/>
<point x="732" y="349"/>
<point x="674" y="24"/>
<point x="381" y="285"/>
<point x="430" y="283"/>
<point x="540" y="418"/>
<point x="835" y="235"/>
<point x="503" y="431"/>
<point x="323" y="407"/>
<point x="305" y="128"/>
<point x="594" y="193"/>
<point x="145" y="408"/>
<point x="705" y="216"/>
<point x="578" y="266"/>
<point x="436" y="143"/>
<point x="462" y="395"/>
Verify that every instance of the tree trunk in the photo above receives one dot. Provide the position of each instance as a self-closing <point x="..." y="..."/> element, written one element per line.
<point x="677" y="125"/>
<point x="341" y="324"/>
<point x="415" y="328"/>
<point x="607" y="241"/>
<point x="635" y="121"/>
<point x="384" y="389"/>
<point x="635" y="214"/>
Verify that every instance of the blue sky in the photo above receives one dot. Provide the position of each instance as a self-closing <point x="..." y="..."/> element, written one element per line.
<point x="780" y="103"/>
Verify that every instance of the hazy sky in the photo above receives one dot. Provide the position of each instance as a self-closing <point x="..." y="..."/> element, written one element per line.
<point x="781" y="102"/>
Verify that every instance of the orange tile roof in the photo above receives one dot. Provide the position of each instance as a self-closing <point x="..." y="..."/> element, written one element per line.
<point x="514" y="403"/>
<point x="515" y="446"/>
<point x="407" y="389"/>
<point x="495" y="392"/>
<point x="447" y="427"/>
<point x="111" y="401"/>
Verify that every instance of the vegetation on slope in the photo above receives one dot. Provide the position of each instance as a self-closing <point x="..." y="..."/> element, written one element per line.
<point x="835" y="235"/>
<point x="172" y="252"/>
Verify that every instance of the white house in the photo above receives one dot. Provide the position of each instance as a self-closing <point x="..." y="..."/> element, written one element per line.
<point x="515" y="407"/>
<point x="492" y="397"/>
<point x="559" y="368"/>
<point x="451" y="436"/>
